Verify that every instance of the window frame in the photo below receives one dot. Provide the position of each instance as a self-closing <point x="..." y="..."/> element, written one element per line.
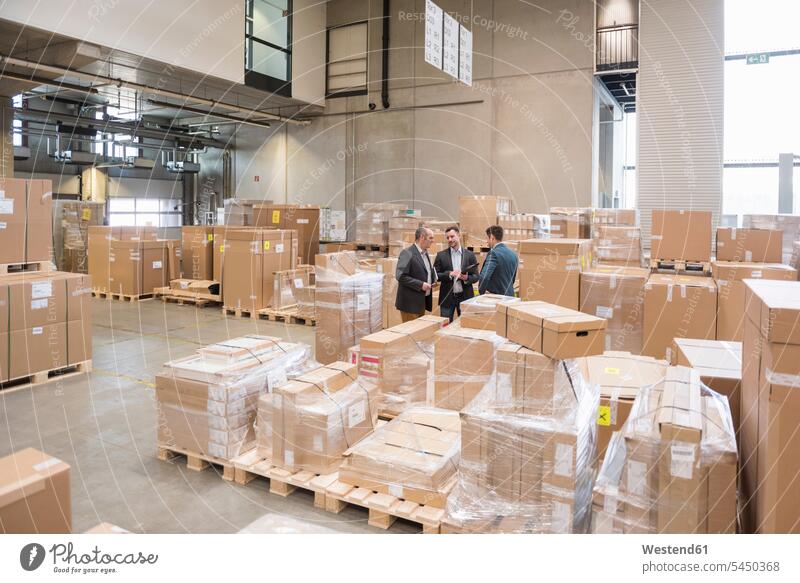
<point x="353" y="92"/>
<point x="260" y="80"/>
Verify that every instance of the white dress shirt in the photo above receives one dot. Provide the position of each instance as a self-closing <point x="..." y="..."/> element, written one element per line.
<point x="456" y="256"/>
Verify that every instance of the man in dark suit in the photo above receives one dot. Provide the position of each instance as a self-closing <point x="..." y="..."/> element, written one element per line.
<point x="458" y="270"/>
<point x="416" y="276"/>
<point x="500" y="267"/>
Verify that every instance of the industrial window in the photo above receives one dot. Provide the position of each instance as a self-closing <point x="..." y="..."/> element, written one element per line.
<point x="142" y="212"/>
<point x="347" y="60"/>
<point x="268" y="53"/>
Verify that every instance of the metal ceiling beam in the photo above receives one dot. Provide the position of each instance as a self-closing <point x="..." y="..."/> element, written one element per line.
<point x="262" y="123"/>
<point x="63" y="71"/>
<point x="46" y="81"/>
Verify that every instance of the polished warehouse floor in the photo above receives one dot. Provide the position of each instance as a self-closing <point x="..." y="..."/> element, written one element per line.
<point x="104" y="425"/>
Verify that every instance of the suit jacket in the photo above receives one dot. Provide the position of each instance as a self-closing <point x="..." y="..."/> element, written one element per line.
<point x="444" y="265"/>
<point x="411" y="274"/>
<point x="499" y="271"/>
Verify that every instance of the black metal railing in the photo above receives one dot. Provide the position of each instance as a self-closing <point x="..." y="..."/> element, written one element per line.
<point x="617" y="48"/>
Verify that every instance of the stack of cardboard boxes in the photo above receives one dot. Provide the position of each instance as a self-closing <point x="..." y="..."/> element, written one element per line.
<point x="372" y="221"/>
<point x="26" y="215"/>
<point x="304" y="219"/>
<point x="617" y="245"/>
<point x="251" y="258"/>
<point x="672" y="468"/>
<point x="570" y="223"/>
<point x="76" y="218"/>
<point x="614" y="217"/>
<point x="681" y="235"/>
<point x="528" y="438"/>
<point x="349" y="304"/>
<point x="398" y="362"/>
<point x="770" y="413"/>
<point x="521" y="226"/>
<point x="390" y="316"/>
<point x="400" y="228"/>
<point x="476" y="213"/>
<point x="789" y="225"/>
<point x="550" y="270"/>
<point x="288" y="288"/>
<point x="207" y="402"/>
<point x="413" y="457"/>
<point x="197" y="252"/>
<point x="319" y="415"/>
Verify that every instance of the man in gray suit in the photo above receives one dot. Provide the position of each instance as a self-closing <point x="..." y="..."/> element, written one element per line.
<point x="500" y="267"/>
<point x="416" y="276"/>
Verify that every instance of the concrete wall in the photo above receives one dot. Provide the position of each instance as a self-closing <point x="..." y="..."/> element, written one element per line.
<point x="527" y="132"/>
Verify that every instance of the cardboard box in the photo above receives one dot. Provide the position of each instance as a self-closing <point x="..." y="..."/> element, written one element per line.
<point x="570" y="222"/>
<point x="397" y="361"/>
<point x="789" y="225"/>
<point x="550" y="270"/>
<point x="729" y="278"/>
<point x="305" y="219"/>
<point x="521" y="226"/>
<point x="34" y="494"/>
<point x="681" y="235"/>
<point x="750" y="245"/>
<point x="99" y="240"/>
<point x="770" y="407"/>
<point x="332" y="266"/>
<point x="529" y="378"/>
<point x="138" y="267"/>
<point x="197" y="252"/>
<point x="616" y="294"/>
<point x="555" y="331"/>
<point x="464" y="361"/>
<point x="414" y="457"/>
<point x="620" y="376"/>
<point x="12" y="215"/>
<point x="39" y="222"/>
<point x="719" y="364"/>
<point x="319" y="415"/>
<point x="390" y="314"/>
<point x="613" y="245"/>
<point x="677" y="306"/>
<point x="477" y="213"/>
<point x="615" y="217"/>
<point x="479" y="312"/>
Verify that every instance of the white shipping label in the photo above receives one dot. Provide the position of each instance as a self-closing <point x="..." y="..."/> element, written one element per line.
<point x="356" y="414"/>
<point x="41" y="289"/>
<point x="3" y="225"/>
<point x="561" y="518"/>
<point x="156" y="265"/>
<point x="288" y="457"/>
<point x="604" y="312"/>
<point x="37" y="331"/>
<point x="279" y="248"/>
<point x="748" y="255"/>
<point x="563" y="463"/>
<point x="682" y="460"/>
<point x="302" y="221"/>
<point x="396" y="490"/>
<point x="184" y="284"/>
<point x="637" y="474"/>
<point x="669" y="292"/>
<point x="756" y="274"/>
<point x="362" y="302"/>
<point x="7" y="206"/>
<point x="668" y="354"/>
<point x="298" y="283"/>
<point x="39" y="304"/>
<point x="48" y="463"/>
<point x="610" y="504"/>
<point x="317" y="445"/>
<point x="555" y="227"/>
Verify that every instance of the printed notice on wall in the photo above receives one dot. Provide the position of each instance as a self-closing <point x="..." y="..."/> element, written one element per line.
<point x="433" y="34"/>
<point x="465" y="57"/>
<point x="450" y="43"/>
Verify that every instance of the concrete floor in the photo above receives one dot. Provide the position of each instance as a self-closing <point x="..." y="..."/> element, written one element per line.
<point x="104" y="425"/>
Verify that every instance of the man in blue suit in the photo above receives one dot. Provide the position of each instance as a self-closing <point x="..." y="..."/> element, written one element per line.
<point x="500" y="267"/>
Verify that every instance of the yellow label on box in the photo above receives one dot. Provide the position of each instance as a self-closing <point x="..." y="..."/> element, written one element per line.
<point x="222" y="248"/>
<point x="611" y="370"/>
<point x="266" y="245"/>
<point x="276" y="217"/>
<point x="604" y="415"/>
<point x="87" y="214"/>
<point x="210" y="237"/>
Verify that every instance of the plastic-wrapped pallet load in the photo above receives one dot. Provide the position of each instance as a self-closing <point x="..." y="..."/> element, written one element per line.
<point x="621" y="246"/>
<point x="348" y="304"/>
<point x="570" y="222"/>
<point x="413" y="457"/>
<point x="372" y="221"/>
<point x="207" y="402"/>
<point x="789" y="224"/>
<point x="527" y="463"/>
<point x="390" y="314"/>
<point x="672" y="468"/>
<point x="464" y="361"/>
<point x="319" y="415"/>
<point x="398" y="362"/>
<point x="521" y="226"/>
<point x="617" y="294"/>
<point x="480" y="312"/>
<point x="287" y="283"/>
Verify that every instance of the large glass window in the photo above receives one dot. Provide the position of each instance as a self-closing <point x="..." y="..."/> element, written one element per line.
<point x="268" y="54"/>
<point x="347" y="60"/>
<point x="143" y="212"/>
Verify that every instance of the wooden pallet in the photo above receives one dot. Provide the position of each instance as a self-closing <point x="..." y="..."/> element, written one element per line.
<point x="288" y="315"/>
<point x="239" y="313"/>
<point x="196" y="461"/>
<point x="680" y="266"/>
<point x="106" y="295"/>
<point x="46" y="376"/>
<point x="6" y="268"/>
<point x="199" y="300"/>
<point x="371" y="247"/>
<point x="334" y="496"/>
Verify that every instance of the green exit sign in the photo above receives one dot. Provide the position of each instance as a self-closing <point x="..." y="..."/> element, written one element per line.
<point x="758" y="59"/>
